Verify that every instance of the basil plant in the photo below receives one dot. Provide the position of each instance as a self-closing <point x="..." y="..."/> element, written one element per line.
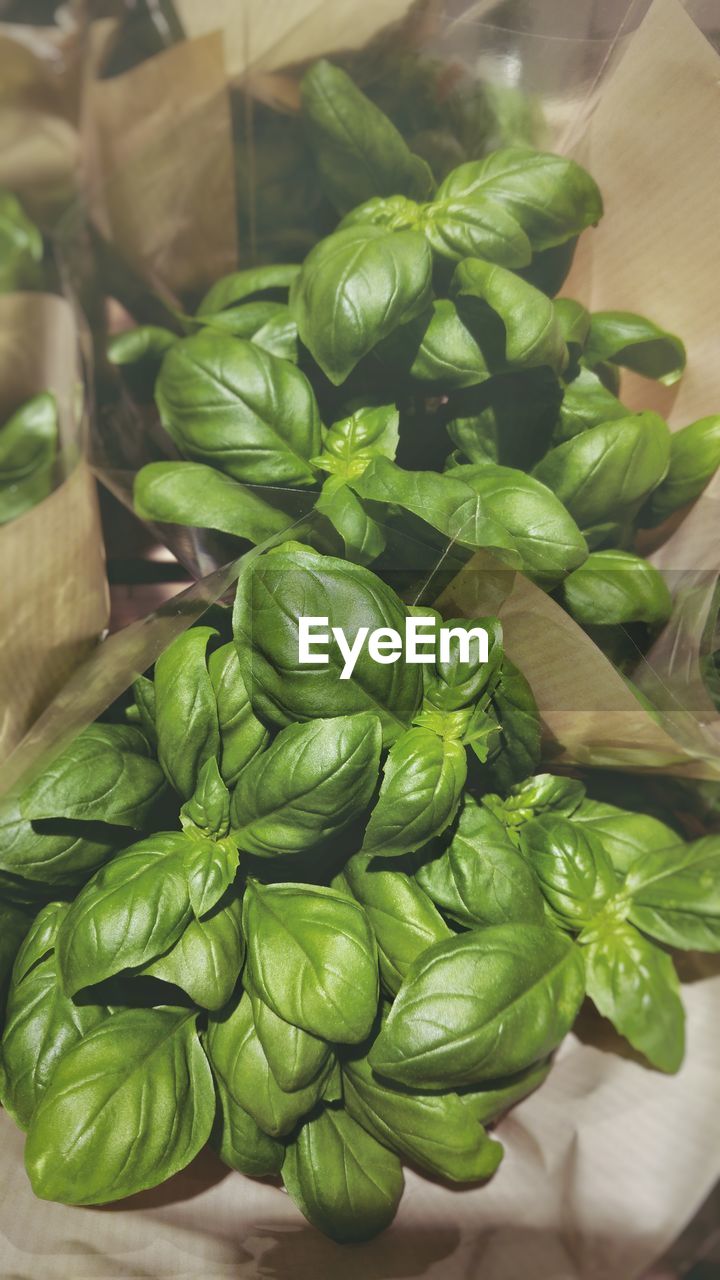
<point x="321" y="911"/>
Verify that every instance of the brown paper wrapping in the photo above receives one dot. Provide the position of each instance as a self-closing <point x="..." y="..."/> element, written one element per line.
<point x="54" y="602"/>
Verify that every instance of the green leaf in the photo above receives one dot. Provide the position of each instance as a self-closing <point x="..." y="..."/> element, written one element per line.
<point x="545" y="793"/>
<point x="200" y="496"/>
<point x="572" y="867"/>
<point x="482" y="1005"/>
<point x="146" y="342"/>
<point x="312" y="958"/>
<point x="228" y="403"/>
<point x="28" y="449"/>
<point x="448" y="505"/>
<point x="312" y="783"/>
<point x="208" y="809"/>
<point x="241" y="1143"/>
<point x="206" y="960"/>
<point x="354" y="288"/>
<point x="105" y="775"/>
<point x="517" y="751"/>
<point x="456" y="684"/>
<point x="675" y="894"/>
<point x="574" y="323"/>
<point x="294" y="1057"/>
<point x="614" y="587"/>
<point x="605" y="472"/>
<point x="551" y="197"/>
<point x="586" y="403"/>
<point x="362" y="536"/>
<point x="240" y="285"/>
<point x="634" y="984"/>
<point x="635" y="343"/>
<point x="436" y="349"/>
<point x="41" y="1022"/>
<point x="481" y="878"/>
<point x="431" y="1130"/>
<point x="343" y="1181"/>
<point x="14" y="924"/>
<point x="139" y="904"/>
<point x="545" y="534"/>
<point x="279" y="336"/>
<point x="507" y="419"/>
<point x="144" y="701"/>
<point x="423" y="779"/>
<point x="694" y="459"/>
<point x="242" y="735"/>
<point x="243" y="321"/>
<point x="370" y="431"/>
<point x="21" y="247"/>
<point x="236" y="1056"/>
<point x="47" y="853"/>
<point x="487" y="1105"/>
<point x="273" y="593"/>
<point x="626" y="837"/>
<point x="186" y="717"/>
<point x="532" y="333"/>
<point x="474" y="227"/>
<point x="127" y="1107"/>
<point x="401" y="914"/>
<point x="358" y="151"/>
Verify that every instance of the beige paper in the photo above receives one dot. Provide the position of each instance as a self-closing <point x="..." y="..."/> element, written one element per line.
<point x="54" y="603"/>
<point x="160" y="168"/>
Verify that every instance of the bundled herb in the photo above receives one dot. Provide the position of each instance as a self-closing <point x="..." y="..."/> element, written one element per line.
<point x="329" y="925"/>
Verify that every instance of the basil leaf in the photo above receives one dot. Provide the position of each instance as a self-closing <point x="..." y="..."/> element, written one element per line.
<point x="127" y="1107"/>
<point x="614" y="587"/>
<point x="237" y="1058"/>
<point x="551" y="197"/>
<point x="273" y="593"/>
<point x="139" y="904"/>
<point x="294" y="1057"/>
<point x="482" y="1005"/>
<point x="358" y="151"/>
<point x="370" y="431"/>
<point x="146" y="342"/>
<point x="144" y="702"/>
<point x="227" y="402"/>
<point x="436" y="349"/>
<point x="532" y="333"/>
<point x="279" y="336"/>
<point x="401" y="915"/>
<point x="56" y="852"/>
<point x="185" y="711"/>
<point x="343" y="1181"/>
<point x="14" y="924"/>
<point x="242" y="735"/>
<point x="41" y="1023"/>
<point x="431" y="1130"/>
<point x="481" y="878"/>
<point x="311" y="784"/>
<point x="574" y="871"/>
<point x="605" y="472"/>
<point x="240" y="285"/>
<point x="694" y="459"/>
<point x="423" y="779"/>
<point x="486" y="1105"/>
<point x="446" y="504"/>
<point x="508" y="419"/>
<point x="312" y="958"/>
<point x="545" y="793"/>
<point x="634" y="984"/>
<point x="105" y="775"/>
<point x="200" y="496"/>
<point x="574" y="322"/>
<point x="675" y="894"/>
<point x="28" y="448"/>
<point x="243" y="321"/>
<point x="21" y="247"/>
<point x="517" y="751"/>
<point x="636" y="343"/>
<point x="545" y="535"/>
<point x="456" y="684"/>
<point x="354" y="288"/>
<point x="208" y="809"/>
<point x="626" y="837"/>
<point x="585" y="403"/>
<point x="241" y="1143"/>
<point x="474" y="227"/>
<point x="206" y="960"/>
<point x="362" y="536"/>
